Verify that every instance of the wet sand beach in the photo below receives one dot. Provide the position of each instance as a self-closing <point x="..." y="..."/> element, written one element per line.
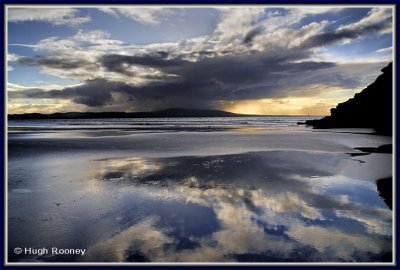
<point x="206" y="195"/>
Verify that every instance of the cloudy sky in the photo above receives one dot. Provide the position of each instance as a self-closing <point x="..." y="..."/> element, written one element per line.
<point x="254" y="59"/>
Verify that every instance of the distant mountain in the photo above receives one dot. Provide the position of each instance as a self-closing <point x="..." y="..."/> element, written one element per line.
<point x="171" y="112"/>
<point x="371" y="108"/>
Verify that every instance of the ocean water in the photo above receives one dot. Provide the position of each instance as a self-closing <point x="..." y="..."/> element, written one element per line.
<point x="257" y="189"/>
<point x="159" y="124"/>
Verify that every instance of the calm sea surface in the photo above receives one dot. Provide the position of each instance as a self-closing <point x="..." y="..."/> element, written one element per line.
<point x="155" y="124"/>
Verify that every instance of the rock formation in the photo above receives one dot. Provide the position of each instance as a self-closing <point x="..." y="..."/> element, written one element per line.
<point x="371" y="108"/>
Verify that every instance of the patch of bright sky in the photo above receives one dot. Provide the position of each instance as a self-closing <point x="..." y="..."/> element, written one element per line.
<point x="343" y="93"/>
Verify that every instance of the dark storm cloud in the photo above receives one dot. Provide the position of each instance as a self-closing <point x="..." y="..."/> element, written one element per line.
<point x="225" y="70"/>
<point x="58" y="63"/>
<point x="199" y="84"/>
<point x="201" y="54"/>
<point x="96" y="93"/>
<point x="116" y="63"/>
<point x="93" y="93"/>
<point x="328" y="38"/>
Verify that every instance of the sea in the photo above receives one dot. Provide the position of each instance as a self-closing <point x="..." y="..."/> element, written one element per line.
<point x="138" y="125"/>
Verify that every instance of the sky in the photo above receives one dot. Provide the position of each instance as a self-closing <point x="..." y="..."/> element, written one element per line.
<point x="272" y="60"/>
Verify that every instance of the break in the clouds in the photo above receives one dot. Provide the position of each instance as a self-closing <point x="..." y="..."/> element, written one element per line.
<point x="241" y="59"/>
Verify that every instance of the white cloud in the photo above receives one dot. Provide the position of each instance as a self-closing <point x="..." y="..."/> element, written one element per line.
<point x="385" y="50"/>
<point x="236" y="22"/>
<point x="56" y="16"/>
<point x="151" y="16"/>
<point x="84" y="49"/>
<point x="92" y="36"/>
<point x="377" y="17"/>
<point x="82" y="42"/>
<point x="317" y="9"/>
<point x="11" y="57"/>
<point x="109" y="10"/>
<point x="267" y="29"/>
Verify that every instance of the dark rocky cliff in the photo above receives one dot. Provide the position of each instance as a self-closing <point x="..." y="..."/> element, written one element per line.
<point x="371" y="108"/>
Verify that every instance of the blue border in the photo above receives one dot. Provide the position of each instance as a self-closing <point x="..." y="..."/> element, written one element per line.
<point x="201" y="2"/>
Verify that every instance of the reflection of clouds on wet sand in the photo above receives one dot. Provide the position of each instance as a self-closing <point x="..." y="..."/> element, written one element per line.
<point x="336" y="245"/>
<point x="271" y="206"/>
<point x="240" y="234"/>
<point x="126" y="169"/>
<point x="142" y="238"/>
<point x="376" y="221"/>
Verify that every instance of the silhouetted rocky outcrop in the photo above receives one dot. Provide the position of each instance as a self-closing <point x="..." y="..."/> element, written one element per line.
<point x="371" y="108"/>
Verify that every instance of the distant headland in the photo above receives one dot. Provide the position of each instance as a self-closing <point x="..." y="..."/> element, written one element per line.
<point x="171" y="112"/>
